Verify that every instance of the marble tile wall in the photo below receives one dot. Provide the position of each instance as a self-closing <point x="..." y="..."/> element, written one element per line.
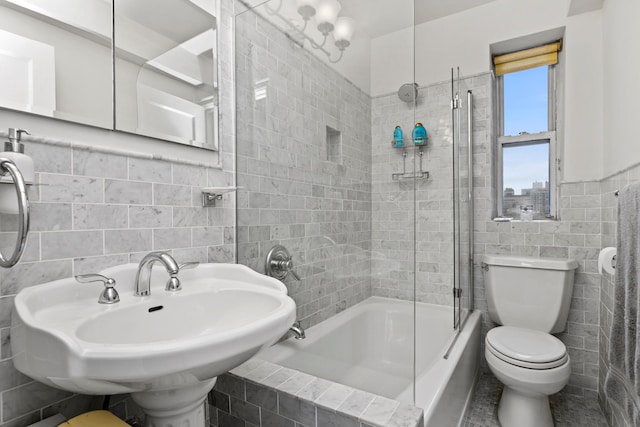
<point x="614" y="412"/>
<point x="298" y="190"/>
<point x="394" y="202"/>
<point x="576" y="236"/>
<point x="91" y="210"/>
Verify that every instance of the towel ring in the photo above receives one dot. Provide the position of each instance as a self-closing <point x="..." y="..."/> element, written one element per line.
<point x="7" y="165"/>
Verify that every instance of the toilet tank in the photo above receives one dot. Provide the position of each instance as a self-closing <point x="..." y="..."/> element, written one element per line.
<point x="528" y="292"/>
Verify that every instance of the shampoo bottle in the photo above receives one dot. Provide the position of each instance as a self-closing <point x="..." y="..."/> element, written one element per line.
<point x="419" y="134"/>
<point x="397" y="137"/>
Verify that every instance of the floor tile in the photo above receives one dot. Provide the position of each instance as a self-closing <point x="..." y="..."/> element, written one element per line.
<point x="568" y="411"/>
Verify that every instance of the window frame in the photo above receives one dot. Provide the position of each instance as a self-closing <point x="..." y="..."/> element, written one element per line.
<point x="530" y="138"/>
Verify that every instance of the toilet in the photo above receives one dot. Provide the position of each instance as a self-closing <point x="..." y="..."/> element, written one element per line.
<point x="530" y="298"/>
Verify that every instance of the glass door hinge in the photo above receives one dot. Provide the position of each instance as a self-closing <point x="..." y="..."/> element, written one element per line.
<point x="457" y="292"/>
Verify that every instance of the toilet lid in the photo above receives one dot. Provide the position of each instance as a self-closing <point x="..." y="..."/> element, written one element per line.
<point x="526" y="347"/>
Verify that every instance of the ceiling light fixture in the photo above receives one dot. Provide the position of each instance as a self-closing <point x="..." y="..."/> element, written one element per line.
<point x="325" y="13"/>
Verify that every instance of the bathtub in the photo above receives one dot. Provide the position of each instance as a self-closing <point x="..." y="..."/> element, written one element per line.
<point x="370" y="347"/>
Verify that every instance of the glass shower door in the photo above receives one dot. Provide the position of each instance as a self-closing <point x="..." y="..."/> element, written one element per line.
<point x="461" y="114"/>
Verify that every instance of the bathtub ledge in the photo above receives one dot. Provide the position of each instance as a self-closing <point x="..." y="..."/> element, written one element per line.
<point x="288" y="394"/>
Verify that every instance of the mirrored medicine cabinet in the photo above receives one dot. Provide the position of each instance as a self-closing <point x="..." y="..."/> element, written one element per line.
<point x="147" y="67"/>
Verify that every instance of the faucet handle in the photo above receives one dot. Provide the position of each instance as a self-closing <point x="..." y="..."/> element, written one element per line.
<point x="279" y="263"/>
<point x="173" y="284"/>
<point x="109" y="295"/>
<point x="188" y="265"/>
<point x="289" y="268"/>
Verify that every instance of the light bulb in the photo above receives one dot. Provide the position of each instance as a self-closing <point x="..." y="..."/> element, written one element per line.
<point x="326" y="15"/>
<point x="343" y="32"/>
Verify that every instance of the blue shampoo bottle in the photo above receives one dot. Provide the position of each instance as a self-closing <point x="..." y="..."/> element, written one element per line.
<point x="419" y="135"/>
<point x="397" y="137"/>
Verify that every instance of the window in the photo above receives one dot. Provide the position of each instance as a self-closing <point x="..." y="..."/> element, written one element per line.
<point x="527" y="132"/>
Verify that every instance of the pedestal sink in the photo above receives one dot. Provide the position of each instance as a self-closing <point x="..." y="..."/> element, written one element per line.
<point x="166" y="349"/>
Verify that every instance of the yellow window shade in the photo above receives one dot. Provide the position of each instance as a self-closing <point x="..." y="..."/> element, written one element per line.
<point x="525" y="59"/>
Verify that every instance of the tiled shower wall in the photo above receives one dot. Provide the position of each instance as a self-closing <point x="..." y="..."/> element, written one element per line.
<point x="300" y="187"/>
<point x="393" y="201"/>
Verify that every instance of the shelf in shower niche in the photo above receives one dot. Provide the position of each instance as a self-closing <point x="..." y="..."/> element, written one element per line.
<point x="211" y="194"/>
<point x="409" y="175"/>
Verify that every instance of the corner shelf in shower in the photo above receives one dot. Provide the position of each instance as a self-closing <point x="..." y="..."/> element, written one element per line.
<point x="420" y="174"/>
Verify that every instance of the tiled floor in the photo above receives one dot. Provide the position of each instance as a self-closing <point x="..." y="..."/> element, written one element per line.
<point x="568" y="411"/>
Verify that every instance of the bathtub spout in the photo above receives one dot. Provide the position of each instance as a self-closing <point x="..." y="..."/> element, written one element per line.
<point x="298" y="331"/>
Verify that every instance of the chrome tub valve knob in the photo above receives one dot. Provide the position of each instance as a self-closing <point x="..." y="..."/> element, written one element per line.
<point x="279" y="263"/>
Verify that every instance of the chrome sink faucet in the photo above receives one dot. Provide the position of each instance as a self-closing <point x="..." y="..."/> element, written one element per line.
<point x="143" y="277"/>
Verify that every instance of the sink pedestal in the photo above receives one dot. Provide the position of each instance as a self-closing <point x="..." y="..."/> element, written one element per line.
<point x="175" y="407"/>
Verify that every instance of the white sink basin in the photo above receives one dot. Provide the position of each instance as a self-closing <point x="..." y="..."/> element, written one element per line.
<point x="224" y="314"/>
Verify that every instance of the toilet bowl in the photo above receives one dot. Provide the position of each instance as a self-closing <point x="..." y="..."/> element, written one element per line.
<point x="530" y="297"/>
<point x="532" y="365"/>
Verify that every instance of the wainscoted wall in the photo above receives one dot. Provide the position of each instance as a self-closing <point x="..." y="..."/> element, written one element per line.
<point x="92" y="210"/>
<point x="576" y="236"/>
<point x="615" y="413"/>
<point x="301" y="185"/>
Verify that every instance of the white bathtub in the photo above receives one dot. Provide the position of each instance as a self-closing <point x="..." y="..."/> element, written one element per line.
<point x="370" y="347"/>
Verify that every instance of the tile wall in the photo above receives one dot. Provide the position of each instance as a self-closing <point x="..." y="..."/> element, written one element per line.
<point x="297" y="188"/>
<point x="393" y="201"/>
<point x="618" y="413"/>
<point x="577" y="235"/>
<point x="92" y="210"/>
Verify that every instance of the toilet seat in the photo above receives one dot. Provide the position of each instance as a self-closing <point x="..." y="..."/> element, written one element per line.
<point x="526" y="348"/>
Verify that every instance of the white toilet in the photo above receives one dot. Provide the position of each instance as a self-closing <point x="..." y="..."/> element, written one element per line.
<point x="530" y="297"/>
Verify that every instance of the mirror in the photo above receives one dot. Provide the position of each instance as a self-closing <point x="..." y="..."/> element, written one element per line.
<point x="55" y="59"/>
<point x="166" y="70"/>
<point x="158" y="78"/>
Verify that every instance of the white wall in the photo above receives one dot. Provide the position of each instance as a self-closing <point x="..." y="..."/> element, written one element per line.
<point x="583" y="93"/>
<point x="621" y="105"/>
<point x="463" y="40"/>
